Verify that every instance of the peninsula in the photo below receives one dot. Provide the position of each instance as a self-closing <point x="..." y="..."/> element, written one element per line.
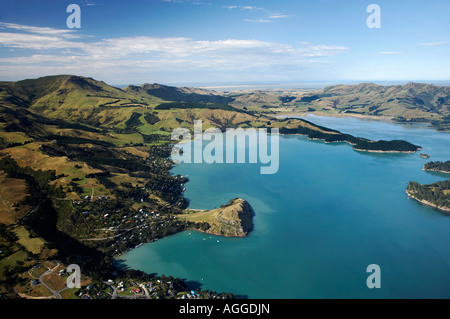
<point x="316" y="132"/>
<point x="437" y="194"/>
<point x="443" y="167"/>
<point x="231" y="220"/>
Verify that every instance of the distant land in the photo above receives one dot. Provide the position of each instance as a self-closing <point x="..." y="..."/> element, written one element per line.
<point x="408" y="103"/>
<point x="283" y="85"/>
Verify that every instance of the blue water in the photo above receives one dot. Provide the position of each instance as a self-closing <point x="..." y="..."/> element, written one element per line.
<point x="325" y="216"/>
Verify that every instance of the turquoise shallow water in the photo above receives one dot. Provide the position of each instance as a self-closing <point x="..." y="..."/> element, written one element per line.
<point x="325" y="216"/>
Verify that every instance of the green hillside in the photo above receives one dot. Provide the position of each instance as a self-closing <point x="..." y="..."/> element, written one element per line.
<point x="85" y="168"/>
<point x="412" y="102"/>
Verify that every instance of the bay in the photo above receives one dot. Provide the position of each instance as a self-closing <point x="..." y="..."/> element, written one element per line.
<point x="327" y="214"/>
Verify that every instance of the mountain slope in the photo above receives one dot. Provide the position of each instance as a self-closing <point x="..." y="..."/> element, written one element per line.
<point x="88" y="167"/>
<point x="412" y="102"/>
<point x="174" y="94"/>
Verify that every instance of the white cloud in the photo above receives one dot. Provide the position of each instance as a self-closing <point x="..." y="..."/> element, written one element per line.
<point x="37" y="42"/>
<point x="53" y="52"/>
<point x="258" y="20"/>
<point x="390" y="52"/>
<point x="250" y="8"/>
<point x="38" y="58"/>
<point x="39" y="30"/>
<point x="278" y="16"/>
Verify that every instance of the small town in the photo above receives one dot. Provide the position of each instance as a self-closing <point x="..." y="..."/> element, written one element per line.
<point x="49" y="280"/>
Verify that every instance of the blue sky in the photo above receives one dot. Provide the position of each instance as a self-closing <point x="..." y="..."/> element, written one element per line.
<point x="193" y="41"/>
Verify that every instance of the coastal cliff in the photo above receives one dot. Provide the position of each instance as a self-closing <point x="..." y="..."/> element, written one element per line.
<point x="232" y="220"/>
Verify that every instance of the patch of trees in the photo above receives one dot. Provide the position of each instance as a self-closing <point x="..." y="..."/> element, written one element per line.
<point x="286" y="99"/>
<point x="7" y="240"/>
<point x="48" y="219"/>
<point x="37" y="180"/>
<point x="386" y="146"/>
<point x="109" y="103"/>
<point x="332" y="136"/>
<point x="199" y="105"/>
<point x="401" y="119"/>
<point x="152" y="118"/>
<point x="359" y="143"/>
<point x="152" y="138"/>
<point x="173" y="94"/>
<point x="223" y="123"/>
<point x="128" y="164"/>
<point x="4" y="144"/>
<point x="310" y="98"/>
<point x="443" y="124"/>
<point x="433" y="193"/>
<point x="133" y="122"/>
<point x="65" y="140"/>
<point x="437" y="166"/>
<point x="168" y="187"/>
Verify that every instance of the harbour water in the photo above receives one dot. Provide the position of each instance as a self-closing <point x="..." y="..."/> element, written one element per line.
<point x="327" y="214"/>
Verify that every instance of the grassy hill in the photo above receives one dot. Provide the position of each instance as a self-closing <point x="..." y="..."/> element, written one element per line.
<point x="231" y="220"/>
<point x="412" y="102"/>
<point x="85" y="169"/>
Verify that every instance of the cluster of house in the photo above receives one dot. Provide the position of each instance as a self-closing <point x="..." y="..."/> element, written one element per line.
<point x="120" y="286"/>
<point x="85" y="295"/>
<point x="89" y="197"/>
<point x="192" y="295"/>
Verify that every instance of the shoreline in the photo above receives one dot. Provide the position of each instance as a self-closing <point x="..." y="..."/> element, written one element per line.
<point x="427" y="203"/>
<point x="117" y="257"/>
<point x="212" y="234"/>
<point x="351" y="144"/>
<point x="386" y="119"/>
<point x="378" y="151"/>
<point x="218" y="234"/>
<point x="341" y="115"/>
<point x="299" y="134"/>
<point x="435" y="170"/>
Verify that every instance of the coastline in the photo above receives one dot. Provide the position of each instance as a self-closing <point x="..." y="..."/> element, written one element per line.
<point x="444" y="210"/>
<point x="352" y="144"/>
<point x="285" y="134"/>
<point x="381" y="118"/>
<point x="309" y="138"/>
<point x="340" y="115"/>
<point x="435" y="170"/>
<point x="117" y="257"/>
<point x="239" y="214"/>
<point x="378" y="151"/>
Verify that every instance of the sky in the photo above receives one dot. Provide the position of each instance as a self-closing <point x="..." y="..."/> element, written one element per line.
<point x="226" y="41"/>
